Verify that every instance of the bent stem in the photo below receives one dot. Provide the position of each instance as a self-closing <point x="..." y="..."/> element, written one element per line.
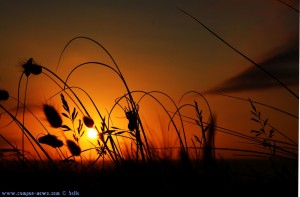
<point x="68" y="87"/>
<point x="118" y="71"/>
<point x="183" y="145"/>
<point x="183" y="149"/>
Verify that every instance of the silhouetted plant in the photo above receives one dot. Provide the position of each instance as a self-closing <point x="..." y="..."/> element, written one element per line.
<point x="24" y="129"/>
<point x="50" y="140"/>
<point x="88" y="122"/>
<point x="76" y="118"/>
<point x="74" y="148"/>
<point x="3" y="95"/>
<point x="31" y="68"/>
<point x="265" y="134"/>
<point x="52" y="116"/>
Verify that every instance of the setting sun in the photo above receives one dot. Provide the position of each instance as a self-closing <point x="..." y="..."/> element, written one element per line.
<point x="92" y="133"/>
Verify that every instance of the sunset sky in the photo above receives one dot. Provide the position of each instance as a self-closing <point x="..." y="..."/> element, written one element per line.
<point x="158" y="47"/>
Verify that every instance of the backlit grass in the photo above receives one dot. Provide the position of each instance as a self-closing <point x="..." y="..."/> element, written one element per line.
<point x="126" y="158"/>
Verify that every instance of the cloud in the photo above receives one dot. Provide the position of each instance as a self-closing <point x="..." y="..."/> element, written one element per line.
<point x="283" y="64"/>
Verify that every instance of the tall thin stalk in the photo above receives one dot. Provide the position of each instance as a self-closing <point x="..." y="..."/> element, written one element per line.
<point x="240" y="53"/>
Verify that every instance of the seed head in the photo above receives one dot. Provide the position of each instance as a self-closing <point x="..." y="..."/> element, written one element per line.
<point x="3" y="95"/>
<point x="50" y="140"/>
<point x="132" y="118"/>
<point x="88" y="121"/>
<point x="74" y="148"/>
<point x="53" y="116"/>
<point x="31" y="68"/>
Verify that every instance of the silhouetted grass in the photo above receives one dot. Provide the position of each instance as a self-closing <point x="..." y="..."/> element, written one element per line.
<point x="140" y="167"/>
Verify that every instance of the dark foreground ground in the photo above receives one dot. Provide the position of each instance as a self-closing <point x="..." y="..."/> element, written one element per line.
<point x="167" y="178"/>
